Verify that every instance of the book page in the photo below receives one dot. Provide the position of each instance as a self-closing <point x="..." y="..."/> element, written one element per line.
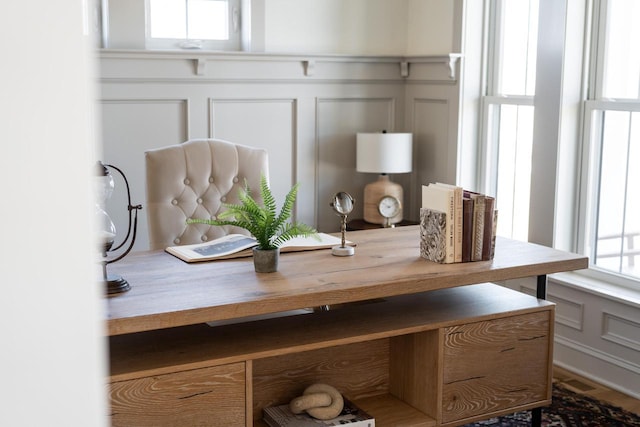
<point x="217" y="248"/>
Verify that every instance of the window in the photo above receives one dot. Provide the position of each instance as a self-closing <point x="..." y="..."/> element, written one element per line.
<point x="193" y="24"/>
<point x="611" y="220"/>
<point x="508" y="112"/>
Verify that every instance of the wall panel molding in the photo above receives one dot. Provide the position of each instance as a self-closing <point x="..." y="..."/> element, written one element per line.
<point x="274" y="120"/>
<point x="569" y="313"/>
<point x="621" y="330"/>
<point x="337" y="121"/>
<point x="130" y="126"/>
<point x="155" y="101"/>
<point x="596" y="335"/>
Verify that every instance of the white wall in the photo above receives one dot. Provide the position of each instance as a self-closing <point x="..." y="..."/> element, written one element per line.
<point x="430" y="27"/>
<point x="51" y="319"/>
<point x="377" y="27"/>
<point x="354" y="27"/>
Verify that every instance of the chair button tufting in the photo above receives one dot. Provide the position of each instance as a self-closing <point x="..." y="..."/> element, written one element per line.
<point x="204" y="238"/>
<point x="176" y="241"/>
<point x="210" y="179"/>
<point x="199" y="201"/>
<point x="186" y="181"/>
<point x="235" y="180"/>
<point x="223" y="199"/>
<point x="174" y="202"/>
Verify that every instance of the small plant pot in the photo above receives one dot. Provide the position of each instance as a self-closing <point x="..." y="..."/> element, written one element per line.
<point x="266" y="260"/>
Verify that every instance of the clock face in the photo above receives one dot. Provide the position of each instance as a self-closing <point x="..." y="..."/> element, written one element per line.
<point x="389" y="206"/>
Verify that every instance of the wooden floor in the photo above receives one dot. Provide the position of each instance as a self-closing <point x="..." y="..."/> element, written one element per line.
<point x="587" y="387"/>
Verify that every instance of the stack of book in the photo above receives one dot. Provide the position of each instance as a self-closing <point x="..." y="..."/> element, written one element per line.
<point x="457" y="225"/>
<point x="281" y="416"/>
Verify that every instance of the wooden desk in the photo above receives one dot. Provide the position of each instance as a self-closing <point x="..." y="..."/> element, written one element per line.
<point x="408" y="349"/>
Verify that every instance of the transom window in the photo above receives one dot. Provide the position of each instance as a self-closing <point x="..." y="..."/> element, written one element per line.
<point x="193" y="24"/>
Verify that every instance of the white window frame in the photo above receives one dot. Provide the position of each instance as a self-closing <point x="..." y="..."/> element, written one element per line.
<point x="586" y="224"/>
<point x="232" y="44"/>
<point x="587" y="221"/>
<point x="489" y="148"/>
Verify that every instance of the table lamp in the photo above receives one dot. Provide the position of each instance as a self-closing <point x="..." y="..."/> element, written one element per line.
<point x="383" y="153"/>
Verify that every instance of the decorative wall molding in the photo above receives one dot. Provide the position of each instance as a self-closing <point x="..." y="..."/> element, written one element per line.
<point x="603" y="344"/>
<point x="569" y="313"/>
<point x="620" y="330"/>
<point x="263" y="122"/>
<point x="130" y="126"/>
<point x="598" y="365"/>
<point x="594" y="352"/>
<point x="337" y="120"/>
<point x="135" y="66"/>
<point x="184" y="102"/>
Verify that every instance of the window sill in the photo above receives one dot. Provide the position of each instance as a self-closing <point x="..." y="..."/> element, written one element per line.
<point x="598" y="287"/>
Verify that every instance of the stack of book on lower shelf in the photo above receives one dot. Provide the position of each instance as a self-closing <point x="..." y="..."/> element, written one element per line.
<point x="456" y="225"/>
<point x="351" y="415"/>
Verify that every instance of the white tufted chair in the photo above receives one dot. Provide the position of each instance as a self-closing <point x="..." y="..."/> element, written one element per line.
<point x="192" y="180"/>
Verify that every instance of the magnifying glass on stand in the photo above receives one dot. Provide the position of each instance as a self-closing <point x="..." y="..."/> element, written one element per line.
<point x="342" y="204"/>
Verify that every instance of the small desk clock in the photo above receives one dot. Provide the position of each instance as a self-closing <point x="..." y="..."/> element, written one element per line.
<point x="388" y="207"/>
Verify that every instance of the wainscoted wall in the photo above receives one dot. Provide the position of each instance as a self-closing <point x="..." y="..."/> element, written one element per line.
<point x="597" y="332"/>
<point x="305" y="110"/>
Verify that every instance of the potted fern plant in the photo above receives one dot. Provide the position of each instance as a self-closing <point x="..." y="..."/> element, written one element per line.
<point x="270" y="229"/>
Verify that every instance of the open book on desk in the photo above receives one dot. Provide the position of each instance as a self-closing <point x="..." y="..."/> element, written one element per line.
<point x="240" y="245"/>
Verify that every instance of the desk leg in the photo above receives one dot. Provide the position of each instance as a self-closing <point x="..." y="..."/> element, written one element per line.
<point x="541" y="293"/>
<point x="536" y="417"/>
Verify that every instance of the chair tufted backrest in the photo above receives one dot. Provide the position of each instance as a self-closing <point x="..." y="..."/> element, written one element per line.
<point x="193" y="180"/>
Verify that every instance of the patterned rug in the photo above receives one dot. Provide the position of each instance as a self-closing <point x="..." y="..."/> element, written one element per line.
<point x="568" y="409"/>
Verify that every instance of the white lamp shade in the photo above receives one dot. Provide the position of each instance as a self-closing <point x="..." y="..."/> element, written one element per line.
<point x="384" y="152"/>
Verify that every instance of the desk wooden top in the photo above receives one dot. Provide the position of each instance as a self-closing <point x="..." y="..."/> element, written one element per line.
<point x="167" y="292"/>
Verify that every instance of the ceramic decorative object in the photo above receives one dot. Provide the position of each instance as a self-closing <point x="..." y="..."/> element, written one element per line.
<point x="266" y="260"/>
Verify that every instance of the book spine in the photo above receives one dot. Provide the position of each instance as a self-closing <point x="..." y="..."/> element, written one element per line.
<point x="467" y="228"/>
<point x="478" y="227"/>
<point x="451" y="228"/>
<point x="488" y="228"/>
<point x="493" y="233"/>
<point x="457" y="194"/>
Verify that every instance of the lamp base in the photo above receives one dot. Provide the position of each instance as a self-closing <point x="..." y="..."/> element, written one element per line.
<point x="375" y="191"/>
<point x="116" y="285"/>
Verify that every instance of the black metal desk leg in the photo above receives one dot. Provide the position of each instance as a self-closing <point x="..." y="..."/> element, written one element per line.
<point x="541" y="292"/>
<point x="536" y="417"/>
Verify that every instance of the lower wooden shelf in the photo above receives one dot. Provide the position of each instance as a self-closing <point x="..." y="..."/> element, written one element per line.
<point x="389" y="411"/>
<point x="441" y="358"/>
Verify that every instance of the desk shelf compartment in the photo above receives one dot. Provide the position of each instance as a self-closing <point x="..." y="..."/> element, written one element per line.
<point x="392" y="357"/>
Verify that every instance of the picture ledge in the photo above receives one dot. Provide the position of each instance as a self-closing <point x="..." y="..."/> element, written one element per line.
<point x="309" y="61"/>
